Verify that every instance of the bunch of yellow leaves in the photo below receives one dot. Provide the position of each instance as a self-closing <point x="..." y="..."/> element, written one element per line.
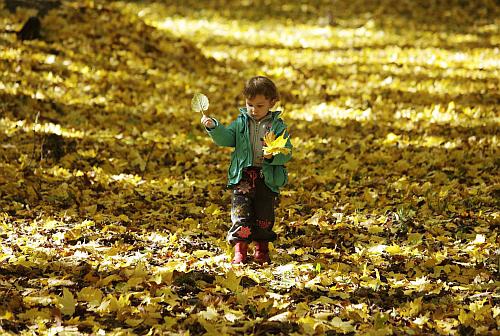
<point x="275" y="145"/>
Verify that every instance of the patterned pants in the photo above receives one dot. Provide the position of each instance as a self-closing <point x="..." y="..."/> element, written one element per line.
<point x="252" y="209"/>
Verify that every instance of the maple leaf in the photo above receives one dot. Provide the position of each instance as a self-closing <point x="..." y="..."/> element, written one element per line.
<point x="230" y="281"/>
<point x="275" y="145"/>
<point x="209" y="314"/>
<point x="283" y="317"/>
<point x="341" y="326"/>
<point x="92" y="295"/>
<point x="67" y="302"/>
<point x="133" y="322"/>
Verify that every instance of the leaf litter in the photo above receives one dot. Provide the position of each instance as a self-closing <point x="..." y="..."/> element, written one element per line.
<point x="113" y="208"/>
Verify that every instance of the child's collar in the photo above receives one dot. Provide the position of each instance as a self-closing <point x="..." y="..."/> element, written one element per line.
<point x="275" y="114"/>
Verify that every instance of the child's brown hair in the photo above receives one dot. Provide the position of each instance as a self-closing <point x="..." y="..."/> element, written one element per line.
<point x="260" y="85"/>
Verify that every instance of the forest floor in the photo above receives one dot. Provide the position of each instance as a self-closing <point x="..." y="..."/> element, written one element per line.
<point x="113" y="199"/>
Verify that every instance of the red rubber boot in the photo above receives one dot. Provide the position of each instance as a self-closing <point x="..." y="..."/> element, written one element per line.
<point x="261" y="254"/>
<point x="240" y="252"/>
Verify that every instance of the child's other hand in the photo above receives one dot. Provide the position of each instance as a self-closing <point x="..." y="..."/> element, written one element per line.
<point x="207" y="122"/>
<point x="268" y="156"/>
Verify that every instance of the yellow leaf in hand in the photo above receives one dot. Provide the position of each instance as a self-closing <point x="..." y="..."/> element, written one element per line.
<point x="269" y="137"/>
<point x="199" y="103"/>
<point x="275" y="145"/>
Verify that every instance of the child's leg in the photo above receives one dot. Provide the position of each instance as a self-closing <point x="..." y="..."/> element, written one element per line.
<point x="252" y="214"/>
<point x="240" y="233"/>
<point x="261" y="254"/>
<point x="241" y="230"/>
<point x="264" y="204"/>
<point x="242" y="215"/>
<point x="240" y="252"/>
<point x="263" y="208"/>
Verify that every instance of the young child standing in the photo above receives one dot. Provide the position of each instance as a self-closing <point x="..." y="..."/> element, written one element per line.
<point x="254" y="178"/>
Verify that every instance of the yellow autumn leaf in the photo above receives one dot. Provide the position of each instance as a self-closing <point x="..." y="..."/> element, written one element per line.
<point x="199" y="103"/>
<point x="202" y="253"/>
<point x="169" y="322"/>
<point x="341" y="326"/>
<point x="67" y="302"/>
<point x="377" y="249"/>
<point x="393" y="249"/>
<point x="496" y="312"/>
<point x="91" y="295"/>
<point x="309" y="324"/>
<point x="110" y="278"/>
<point x="209" y="314"/>
<point x="301" y="310"/>
<point x="36" y="314"/>
<point x="231" y="281"/>
<point x="7" y="316"/>
<point x="133" y="322"/>
<point x="233" y="315"/>
<point x="391" y="138"/>
<point x="269" y="137"/>
<point x="421" y="320"/>
<point x="283" y="317"/>
<point x="275" y="145"/>
<point x="480" y="239"/>
<point x="411" y="308"/>
<point x="375" y="229"/>
<point x="42" y="300"/>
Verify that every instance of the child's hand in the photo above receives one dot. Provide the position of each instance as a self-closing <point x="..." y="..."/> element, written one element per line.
<point x="207" y="122"/>
<point x="268" y="156"/>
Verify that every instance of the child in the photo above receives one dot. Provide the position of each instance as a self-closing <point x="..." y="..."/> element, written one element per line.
<point x="255" y="178"/>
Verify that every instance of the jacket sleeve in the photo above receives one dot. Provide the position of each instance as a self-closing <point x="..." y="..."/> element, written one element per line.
<point x="223" y="136"/>
<point x="280" y="159"/>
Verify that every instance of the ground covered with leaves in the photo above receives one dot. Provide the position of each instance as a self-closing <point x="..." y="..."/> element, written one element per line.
<point x="113" y="207"/>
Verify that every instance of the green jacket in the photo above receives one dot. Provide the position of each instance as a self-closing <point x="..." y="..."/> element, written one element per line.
<point x="237" y="135"/>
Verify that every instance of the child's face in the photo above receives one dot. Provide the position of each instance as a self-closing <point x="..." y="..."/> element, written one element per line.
<point x="259" y="106"/>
